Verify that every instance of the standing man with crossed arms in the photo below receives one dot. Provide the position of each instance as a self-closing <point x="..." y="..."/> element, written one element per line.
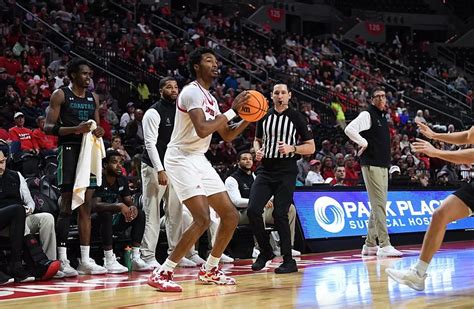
<point x="196" y="182"/>
<point x="370" y="131"/>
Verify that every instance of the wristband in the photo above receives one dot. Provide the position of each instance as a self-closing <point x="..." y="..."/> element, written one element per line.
<point x="230" y="114"/>
<point x="55" y="129"/>
<point x="294" y="148"/>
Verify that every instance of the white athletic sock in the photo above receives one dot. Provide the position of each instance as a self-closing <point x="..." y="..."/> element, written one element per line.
<point x="421" y="267"/>
<point x="135" y="252"/>
<point x="168" y="265"/>
<point x="85" y="254"/>
<point x="211" y="262"/>
<point x="62" y="253"/>
<point x="108" y="254"/>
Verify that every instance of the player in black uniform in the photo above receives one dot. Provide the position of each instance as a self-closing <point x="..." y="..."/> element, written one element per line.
<point x="282" y="135"/>
<point x="69" y="110"/>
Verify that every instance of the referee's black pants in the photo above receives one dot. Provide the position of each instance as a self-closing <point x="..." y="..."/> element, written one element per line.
<point x="281" y="187"/>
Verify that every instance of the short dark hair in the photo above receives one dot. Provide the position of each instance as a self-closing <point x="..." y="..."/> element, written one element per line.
<point x="164" y="80"/>
<point x="378" y="88"/>
<point x="239" y="155"/>
<point x="195" y="58"/>
<point x="4" y="148"/>
<point x="74" y="65"/>
<point x="109" y="154"/>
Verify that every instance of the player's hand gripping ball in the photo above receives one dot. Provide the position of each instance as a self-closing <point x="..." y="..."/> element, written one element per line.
<point x="255" y="108"/>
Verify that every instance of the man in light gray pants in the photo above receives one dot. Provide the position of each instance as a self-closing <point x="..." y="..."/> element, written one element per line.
<point x="158" y="124"/>
<point x="370" y="131"/>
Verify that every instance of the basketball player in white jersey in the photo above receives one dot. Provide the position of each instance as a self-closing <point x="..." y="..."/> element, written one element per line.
<point x="196" y="182"/>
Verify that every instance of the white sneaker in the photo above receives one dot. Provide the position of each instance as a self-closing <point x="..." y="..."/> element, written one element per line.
<point x="90" y="268"/>
<point x="409" y="277"/>
<point x="197" y="259"/>
<point x="388" y="251"/>
<point x="59" y="275"/>
<point x="67" y="270"/>
<point x="226" y="259"/>
<point x="140" y="265"/>
<point x="186" y="263"/>
<point x="255" y="252"/>
<point x="295" y="252"/>
<point x="152" y="263"/>
<point x="366" y="250"/>
<point x="113" y="266"/>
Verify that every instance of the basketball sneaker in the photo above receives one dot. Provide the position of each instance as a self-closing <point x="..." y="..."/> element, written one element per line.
<point x="5" y="279"/>
<point x="366" y="250"/>
<point x="67" y="270"/>
<point x="152" y="263"/>
<point x="287" y="267"/>
<point x="163" y="281"/>
<point x="89" y="267"/>
<point x="113" y="266"/>
<point x="214" y="276"/>
<point x="186" y="263"/>
<point x="197" y="259"/>
<point x="388" y="251"/>
<point x="140" y="265"/>
<point x="261" y="261"/>
<point x="59" y="275"/>
<point x="409" y="277"/>
<point x="226" y="259"/>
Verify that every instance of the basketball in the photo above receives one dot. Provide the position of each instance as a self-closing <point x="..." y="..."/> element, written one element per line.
<point x="255" y="108"/>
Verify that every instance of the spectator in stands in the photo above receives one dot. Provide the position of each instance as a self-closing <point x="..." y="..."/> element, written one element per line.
<point x="230" y="81"/>
<point x="327" y="169"/>
<point x="54" y="66"/>
<point x="134" y="131"/>
<point x="5" y="81"/>
<point x="128" y="116"/>
<point x="419" y="117"/>
<point x="303" y="167"/>
<point x="338" y="110"/>
<point x="314" y="174"/>
<point x="116" y="212"/>
<point x="11" y="65"/>
<point x="238" y="185"/>
<point x="47" y="144"/>
<point x="59" y="77"/>
<point x="340" y="176"/>
<point x="325" y="151"/>
<point x="351" y="174"/>
<point x="31" y="112"/>
<point x="23" y="135"/>
<point x="116" y="145"/>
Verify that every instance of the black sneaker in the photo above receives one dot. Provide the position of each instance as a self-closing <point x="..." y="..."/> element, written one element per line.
<point x="20" y="274"/>
<point x="287" y="267"/>
<point x="261" y="261"/>
<point x="5" y="279"/>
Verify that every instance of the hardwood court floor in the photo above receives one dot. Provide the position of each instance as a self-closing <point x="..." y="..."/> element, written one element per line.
<point x="329" y="280"/>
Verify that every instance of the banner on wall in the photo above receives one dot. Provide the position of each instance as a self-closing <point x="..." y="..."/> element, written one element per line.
<point x="275" y="15"/>
<point x="375" y="28"/>
<point x="339" y="214"/>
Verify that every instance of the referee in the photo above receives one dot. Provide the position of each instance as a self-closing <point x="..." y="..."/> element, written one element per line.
<point x="276" y="146"/>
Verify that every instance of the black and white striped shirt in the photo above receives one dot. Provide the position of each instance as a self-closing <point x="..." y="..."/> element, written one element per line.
<point x="288" y="127"/>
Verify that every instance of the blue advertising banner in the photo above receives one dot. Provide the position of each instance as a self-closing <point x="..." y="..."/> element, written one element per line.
<point x="345" y="213"/>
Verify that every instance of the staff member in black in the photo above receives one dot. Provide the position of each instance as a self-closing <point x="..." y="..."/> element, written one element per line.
<point x="276" y="146"/>
<point x="370" y="131"/>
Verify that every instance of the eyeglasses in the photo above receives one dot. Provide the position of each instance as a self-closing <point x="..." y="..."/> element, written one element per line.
<point x="379" y="96"/>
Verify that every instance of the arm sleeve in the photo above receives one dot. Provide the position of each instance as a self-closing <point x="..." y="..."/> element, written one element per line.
<point x="353" y="129"/>
<point x="151" y="125"/>
<point x="233" y="190"/>
<point x="25" y="194"/>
